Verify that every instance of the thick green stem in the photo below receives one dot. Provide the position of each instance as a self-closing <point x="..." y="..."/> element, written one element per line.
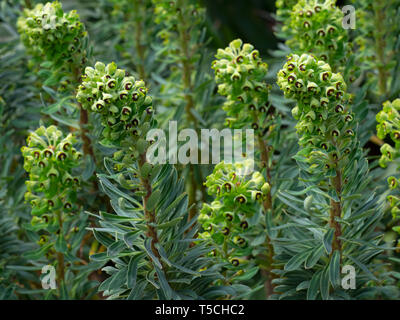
<point x="87" y="144"/>
<point x="149" y="215"/>
<point x="226" y="257"/>
<point x="187" y="69"/>
<point x="267" y="204"/>
<point x="336" y="207"/>
<point x="138" y="36"/>
<point x="83" y="121"/>
<point x="265" y="164"/>
<point x="60" y="255"/>
<point x="336" y="212"/>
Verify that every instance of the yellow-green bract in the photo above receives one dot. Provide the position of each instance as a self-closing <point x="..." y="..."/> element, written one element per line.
<point x="50" y="159"/>
<point x="316" y="27"/>
<point x="325" y="121"/>
<point x="226" y="219"/>
<point x="389" y="125"/>
<point x="122" y="102"/>
<point x="54" y="38"/>
<point x="240" y="73"/>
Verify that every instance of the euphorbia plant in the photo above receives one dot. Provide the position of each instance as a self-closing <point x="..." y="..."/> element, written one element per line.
<point x="283" y="11"/>
<point x="149" y="232"/>
<point x="287" y="228"/>
<point x="51" y="161"/>
<point x="389" y="125"/>
<point x="316" y="28"/>
<point x="58" y="43"/>
<point x="240" y="74"/>
<point x="123" y="104"/>
<point x="307" y="22"/>
<point x="182" y="33"/>
<point x="234" y="221"/>
<point x="335" y="172"/>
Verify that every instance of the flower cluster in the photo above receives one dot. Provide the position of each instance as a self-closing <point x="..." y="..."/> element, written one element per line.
<point x="325" y="121"/>
<point x="389" y="125"/>
<point x="122" y="102"/>
<point x="240" y="73"/>
<point x="283" y="11"/>
<point x="227" y="220"/>
<point x="56" y="38"/>
<point x="317" y="28"/>
<point x="50" y="158"/>
<point x="388" y="120"/>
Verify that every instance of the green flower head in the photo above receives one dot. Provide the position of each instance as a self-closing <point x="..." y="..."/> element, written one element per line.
<point x="50" y="160"/>
<point x="240" y="74"/>
<point x="237" y="198"/>
<point x="325" y="121"/>
<point x="121" y="101"/>
<point x="54" y="37"/>
<point x="316" y="27"/>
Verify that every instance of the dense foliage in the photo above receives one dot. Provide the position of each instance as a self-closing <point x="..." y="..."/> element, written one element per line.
<point x="92" y="185"/>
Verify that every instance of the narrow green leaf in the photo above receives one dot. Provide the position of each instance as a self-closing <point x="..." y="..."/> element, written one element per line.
<point x="114" y="218"/>
<point x="63" y="291"/>
<point x="247" y="275"/>
<point x="328" y="238"/>
<point x="118" y="279"/>
<point x="67" y="121"/>
<point x="132" y="271"/>
<point x="102" y="256"/>
<point x="295" y="262"/>
<point x="104" y="240"/>
<point x="61" y="244"/>
<point x="137" y="292"/>
<point x="324" y="284"/>
<point x="115" y="248"/>
<point x="89" y="168"/>
<point x="313" y="258"/>
<point x="313" y="289"/>
<point x="111" y="190"/>
<point x="38" y="253"/>
<point x="130" y="237"/>
<point x="168" y="292"/>
<point x="363" y="267"/>
<point x="164" y="257"/>
<point x="153" y="200"/>
<point x="303" y="285"/>
<point x="147" y="246"/>
<point x="150" y="279"/>
<point x="105" y="284"/>
<point x="167" y="224"/>
<point x="173" y="205"/>
<point x="334" y="268"/>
